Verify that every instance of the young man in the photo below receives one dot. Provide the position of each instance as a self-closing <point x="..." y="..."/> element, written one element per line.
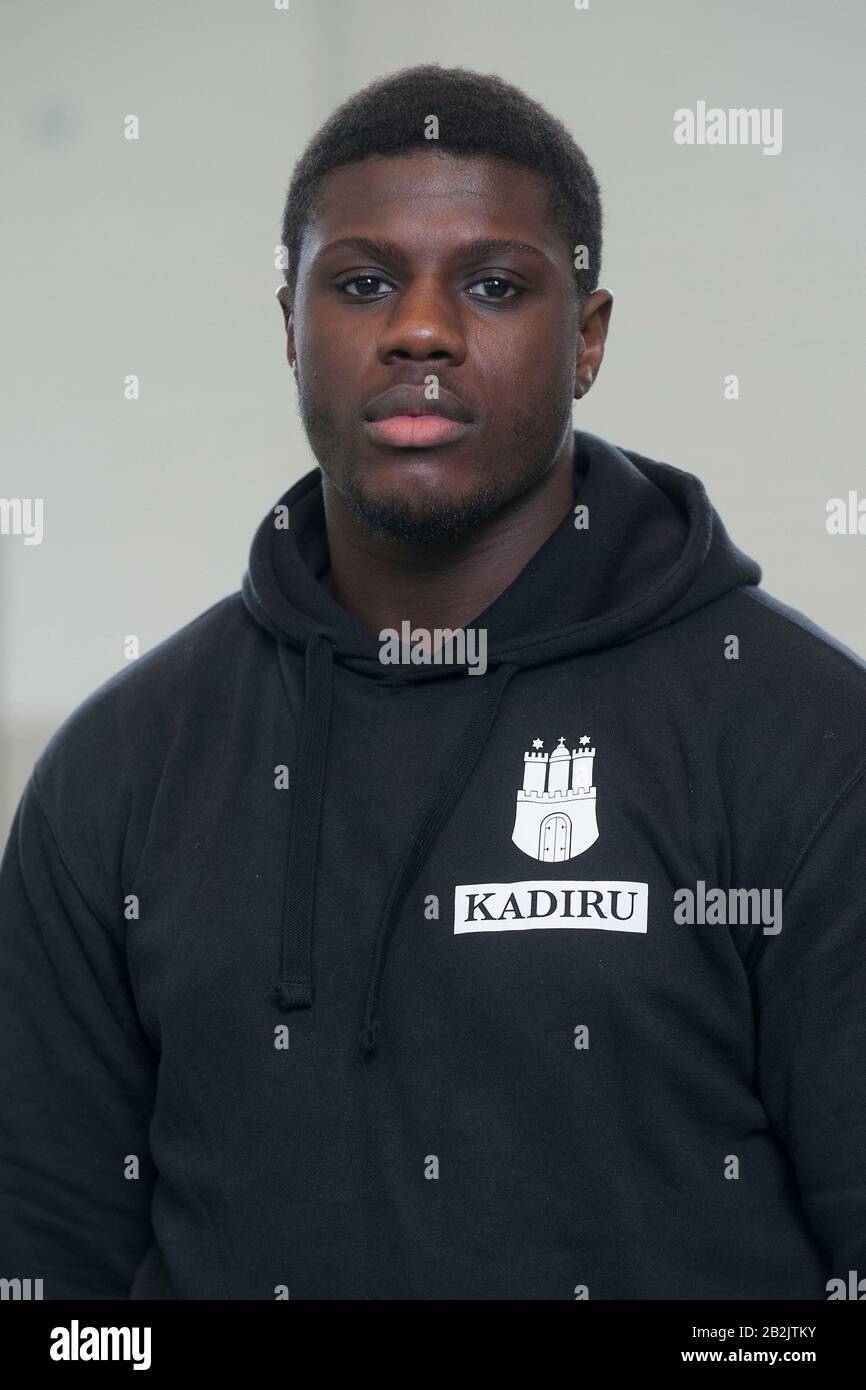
<point x="472" y="907"/>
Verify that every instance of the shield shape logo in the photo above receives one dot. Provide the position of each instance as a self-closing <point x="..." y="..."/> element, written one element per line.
<point x="555" y="814"/>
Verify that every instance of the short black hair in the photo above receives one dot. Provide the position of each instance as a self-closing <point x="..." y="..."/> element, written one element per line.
<point x="478" y="114"/>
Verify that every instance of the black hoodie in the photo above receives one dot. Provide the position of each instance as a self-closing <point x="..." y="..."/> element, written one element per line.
<point x="325" y="977"/>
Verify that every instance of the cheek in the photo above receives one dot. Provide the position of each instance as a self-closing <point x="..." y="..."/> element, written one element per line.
<point x="328" y="342"/>
<point x="330" y="370"/>
<point x="526" y="361"/>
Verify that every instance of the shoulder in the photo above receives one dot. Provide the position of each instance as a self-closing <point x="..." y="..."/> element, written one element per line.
<point x="144" y="699"/>
<point x="800" y="639"/>
<point x="792" y="738"/>
<point x="98" y="775"/>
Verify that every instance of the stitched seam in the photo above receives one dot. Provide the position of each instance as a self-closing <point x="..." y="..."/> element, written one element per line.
<point x="856" y="776"/>
<point x="64" y="859"/>
<point x="203" y="1207"/>
<point x="756" y="947"/>
<point x="825" y="645"/>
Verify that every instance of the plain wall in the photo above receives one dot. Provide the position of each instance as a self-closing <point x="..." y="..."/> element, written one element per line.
<point x="157" y="257"/>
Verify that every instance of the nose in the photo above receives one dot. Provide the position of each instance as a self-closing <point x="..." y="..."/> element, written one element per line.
<point x="423" y="322"/>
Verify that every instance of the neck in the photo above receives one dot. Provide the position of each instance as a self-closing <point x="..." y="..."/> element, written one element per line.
<point x="381" y="582"/>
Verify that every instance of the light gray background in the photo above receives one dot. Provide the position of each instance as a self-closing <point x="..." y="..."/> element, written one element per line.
<point x="157" y="257"/>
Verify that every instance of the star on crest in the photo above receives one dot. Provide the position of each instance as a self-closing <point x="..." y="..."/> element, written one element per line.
<point x="538" y="743"/>
<point x="585" y="739"/>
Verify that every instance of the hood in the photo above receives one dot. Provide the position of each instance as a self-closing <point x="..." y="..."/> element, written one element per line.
<point x="654" y="550"/>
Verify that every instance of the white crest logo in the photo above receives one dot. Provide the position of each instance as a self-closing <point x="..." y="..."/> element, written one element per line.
<point x="555" y="814"/>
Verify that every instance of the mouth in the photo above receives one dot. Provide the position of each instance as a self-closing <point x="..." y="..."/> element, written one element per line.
<point x="403" y="418"/>
<point x="416" y="431"/>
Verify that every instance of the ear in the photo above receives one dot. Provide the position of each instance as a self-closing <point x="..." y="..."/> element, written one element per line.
<point x="594" y="320"/>
<point x="283" y="294"/>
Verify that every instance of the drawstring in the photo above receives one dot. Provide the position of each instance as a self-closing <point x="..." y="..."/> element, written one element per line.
<point x="466" y="754"/>
<point x="294" y="989"/>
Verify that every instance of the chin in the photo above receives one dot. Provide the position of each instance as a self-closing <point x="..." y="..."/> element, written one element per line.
<point x="405" y="511"/>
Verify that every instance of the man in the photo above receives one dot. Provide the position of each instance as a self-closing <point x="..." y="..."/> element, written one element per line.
<point x="472" y="907"/>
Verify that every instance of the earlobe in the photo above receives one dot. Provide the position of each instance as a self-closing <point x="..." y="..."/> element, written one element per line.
<point x="583" y="380"/>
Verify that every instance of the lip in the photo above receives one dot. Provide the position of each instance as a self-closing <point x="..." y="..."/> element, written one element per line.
<point x="404" y="418"/>
<point x="416" y="431"/>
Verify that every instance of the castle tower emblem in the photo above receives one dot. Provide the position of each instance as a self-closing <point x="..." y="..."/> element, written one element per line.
<point x="555" y="815"/>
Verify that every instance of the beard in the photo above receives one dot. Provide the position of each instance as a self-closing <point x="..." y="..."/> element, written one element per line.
<point x="421" y="518"/>
<point x="425" y="516"/>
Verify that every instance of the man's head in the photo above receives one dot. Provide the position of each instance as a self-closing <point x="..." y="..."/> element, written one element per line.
<point x="392" y="281"/>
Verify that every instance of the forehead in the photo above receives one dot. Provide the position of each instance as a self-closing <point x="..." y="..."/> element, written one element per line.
<point x="427" y="195"/>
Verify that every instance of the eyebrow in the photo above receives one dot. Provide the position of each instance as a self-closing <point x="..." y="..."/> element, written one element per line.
<point x="468" y="251"/>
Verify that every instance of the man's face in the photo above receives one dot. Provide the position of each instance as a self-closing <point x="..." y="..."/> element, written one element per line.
<point x="495" y="331"/>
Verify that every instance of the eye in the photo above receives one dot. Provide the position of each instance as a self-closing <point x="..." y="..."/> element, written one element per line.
<point x="361" y="280"/>
<point x="496" y="287"/>
<point x="501" y="281"/>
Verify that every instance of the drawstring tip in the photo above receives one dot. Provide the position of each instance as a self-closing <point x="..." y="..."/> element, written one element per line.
<point x="292" y="994"/>
<point x="368" y="1041"/>
<point x="279" y="996"/>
